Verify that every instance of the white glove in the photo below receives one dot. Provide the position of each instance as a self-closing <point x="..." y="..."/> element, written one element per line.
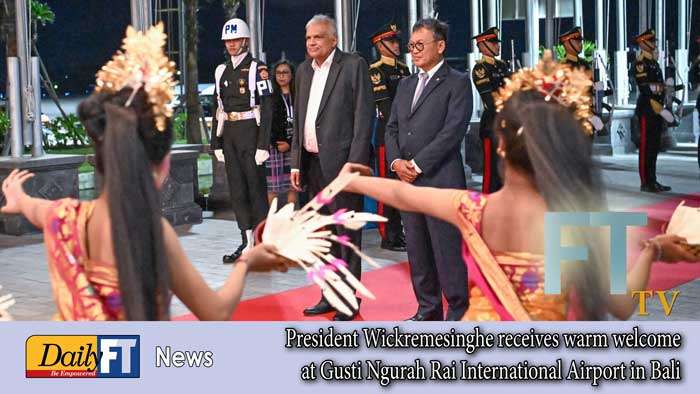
<point x="596" y="122"/>
<point x="219" y="154"/>
<point x="260" y="156"/>
<point x="667" y="115"/>
<point x="598" y="86"/>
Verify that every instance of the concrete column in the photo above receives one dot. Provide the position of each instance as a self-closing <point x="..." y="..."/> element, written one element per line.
<point x="492" y="12"/>
<point x="532" y="23"/>
<point x="601" y="53"/>
<point x="412" y="18"/>
<point x="644" y="17"/>
<point x="578" y="13"/>
<point x="343" y="20"/>
<point x="549" y="23"/>
<point x="14" y="98"/>
<point x="681" y="54"/>
<point x="24" y="55"/>
<point x="660" y="26"/>
<point x="474" y="55"/>
<point x="253" y="18"/>
<point x="426" y="8"/>
<point x="37" y="143"/>
<point x="141" y="14"/>
<point x="621" y="77"/>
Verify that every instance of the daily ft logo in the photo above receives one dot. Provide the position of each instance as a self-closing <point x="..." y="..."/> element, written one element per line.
<point x="82" y="356"/>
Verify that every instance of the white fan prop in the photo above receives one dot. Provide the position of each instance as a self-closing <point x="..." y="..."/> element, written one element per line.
<point x="303" y="237"/>
<point x="6" y="301"/>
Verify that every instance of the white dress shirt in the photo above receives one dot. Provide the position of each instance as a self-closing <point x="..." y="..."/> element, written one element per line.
<point x="236" y="60"/>
<point x="318" y="84"/>
<point x="430" y="72"/>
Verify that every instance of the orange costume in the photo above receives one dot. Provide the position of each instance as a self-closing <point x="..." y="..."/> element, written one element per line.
<point x="503" y="285"/>
<point x="83" y="289"/>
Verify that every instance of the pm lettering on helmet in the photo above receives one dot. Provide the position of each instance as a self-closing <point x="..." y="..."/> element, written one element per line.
<point x="232" y="28"/>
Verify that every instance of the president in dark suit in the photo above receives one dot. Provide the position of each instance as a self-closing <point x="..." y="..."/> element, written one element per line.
<point x="332" y="126"/>
<point x="429" y="118"/>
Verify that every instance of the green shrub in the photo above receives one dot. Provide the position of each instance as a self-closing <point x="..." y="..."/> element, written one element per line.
<point x="180" y="126"/>
<point x="67" y="131"/>
<point x="4" y="127"/>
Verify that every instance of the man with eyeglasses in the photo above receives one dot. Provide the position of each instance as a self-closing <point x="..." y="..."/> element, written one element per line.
<point x="429" y="118"/>
<point x="385" y="75"/>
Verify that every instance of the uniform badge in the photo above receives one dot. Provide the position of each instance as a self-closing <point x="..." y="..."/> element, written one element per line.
<point x="640" y="67"/>
<point x="480" y="72"/>
<point x="226" y="83"/>
<point x="376" y="78"/>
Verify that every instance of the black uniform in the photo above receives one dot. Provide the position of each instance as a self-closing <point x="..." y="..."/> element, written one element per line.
<point x="241" y="139"/>
<point x="649" y="78"/>
<point x="489" y="75"/>
<point x="385" y="75"/>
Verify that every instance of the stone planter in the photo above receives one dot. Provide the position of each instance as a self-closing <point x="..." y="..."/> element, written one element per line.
<point x="56" y="177"/>
<point x="179" y="190"/>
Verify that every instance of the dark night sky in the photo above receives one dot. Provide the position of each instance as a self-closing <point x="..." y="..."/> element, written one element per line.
<point x="87" y="32"/>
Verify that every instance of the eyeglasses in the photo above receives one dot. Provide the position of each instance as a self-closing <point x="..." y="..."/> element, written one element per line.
<point x="418" y="46"/>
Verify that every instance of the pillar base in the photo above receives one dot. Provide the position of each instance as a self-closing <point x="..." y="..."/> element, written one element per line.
<point x="56" y="177"/>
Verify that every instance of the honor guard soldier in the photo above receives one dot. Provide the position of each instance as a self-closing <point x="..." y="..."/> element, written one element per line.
<point x="694" y="78"/>
<point x="572" y="41"/>
<point x="489" y="75"/>
<point x="650" y="110"/>
<point x="385" y="75"/>
<point x="242" y="130"/>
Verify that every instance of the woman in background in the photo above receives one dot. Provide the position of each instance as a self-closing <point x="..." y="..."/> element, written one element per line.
<point x="278" y="166"/>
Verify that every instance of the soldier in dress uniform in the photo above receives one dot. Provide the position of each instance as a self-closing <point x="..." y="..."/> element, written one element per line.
<point x="385" y="75"/>
<point x="489" y="75"/>
<point x="650" y="110"/>
<point x="572" y="41"/>
<point x="242" y="130"/>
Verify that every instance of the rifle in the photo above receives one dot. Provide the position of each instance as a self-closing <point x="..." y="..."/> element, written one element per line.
<point x="602" y="90"/>
<point x="670" y="89"/>
<point x="512" y="57"/>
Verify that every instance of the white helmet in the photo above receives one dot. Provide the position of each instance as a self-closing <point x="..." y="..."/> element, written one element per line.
<point x="235" y="28"/>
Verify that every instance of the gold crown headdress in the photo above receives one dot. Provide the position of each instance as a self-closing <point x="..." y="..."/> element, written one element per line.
<point x="142" y="63"/>
<point x="569" y="86"/>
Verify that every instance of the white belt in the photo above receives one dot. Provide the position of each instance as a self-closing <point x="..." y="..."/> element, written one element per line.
<point x="236" y="116"/>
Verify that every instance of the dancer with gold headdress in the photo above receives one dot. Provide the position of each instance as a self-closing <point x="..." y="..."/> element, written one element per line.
<point x="116" y="257"/>
<point x="544" y="143"/>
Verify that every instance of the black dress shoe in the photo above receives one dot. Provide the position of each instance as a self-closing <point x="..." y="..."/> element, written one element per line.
<point x="319" y="309"/>
<point x="422" y="317"/>
<point x="649" y="188"/>
<point x="393" y="246"/>
<point x="231" y="258"/>
<point x="343" y="317"/>
<point x="662" y="188"/>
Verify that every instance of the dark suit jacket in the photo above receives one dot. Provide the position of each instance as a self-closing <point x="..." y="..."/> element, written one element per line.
<point x="344" y="121"/>
<point x="432" y="133"/>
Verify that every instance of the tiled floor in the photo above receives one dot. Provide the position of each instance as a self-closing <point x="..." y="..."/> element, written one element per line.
<point x="23" y="268"/>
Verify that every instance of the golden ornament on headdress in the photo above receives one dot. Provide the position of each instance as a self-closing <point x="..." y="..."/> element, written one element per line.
<point x="570" y="87"/>
<point x="142" y="63"/>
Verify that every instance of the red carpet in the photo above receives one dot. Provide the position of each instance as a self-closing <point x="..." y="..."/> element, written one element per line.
<point x="394" y="292"/>
<point x="391" y="286"/>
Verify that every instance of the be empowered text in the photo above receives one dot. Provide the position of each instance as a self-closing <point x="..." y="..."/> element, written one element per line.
<point x="475" y="340"/>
